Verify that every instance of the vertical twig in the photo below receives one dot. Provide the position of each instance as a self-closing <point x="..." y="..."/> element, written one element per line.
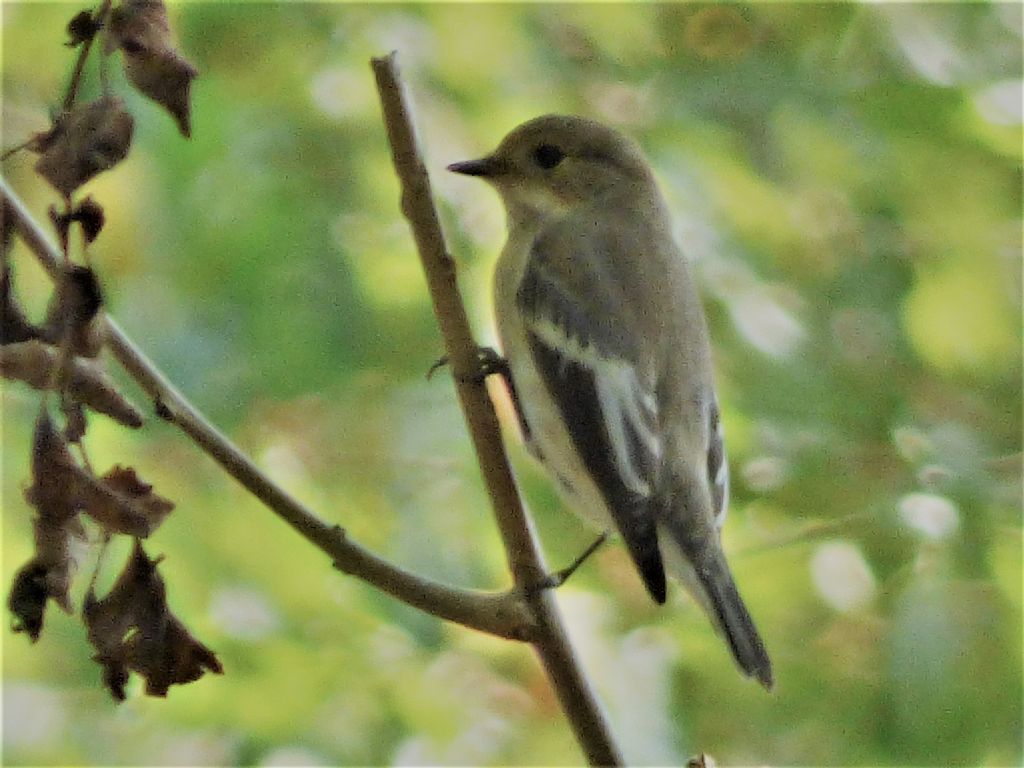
<point x="524" y="556"/>
<point x="100" y="18"/>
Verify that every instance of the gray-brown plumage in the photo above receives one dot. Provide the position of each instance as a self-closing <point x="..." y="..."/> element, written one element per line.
<point x="607" y="346"/>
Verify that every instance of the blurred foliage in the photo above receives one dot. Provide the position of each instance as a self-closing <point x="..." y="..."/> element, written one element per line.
<point x="847" y="181"/>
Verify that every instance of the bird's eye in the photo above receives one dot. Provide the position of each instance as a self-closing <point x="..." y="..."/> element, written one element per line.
<point x="547" y="156"/>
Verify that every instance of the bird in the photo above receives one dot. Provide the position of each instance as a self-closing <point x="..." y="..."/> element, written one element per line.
<point x="607" y="350"/>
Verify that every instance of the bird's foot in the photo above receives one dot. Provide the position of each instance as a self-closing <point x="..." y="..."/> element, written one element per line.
<point x="558" y="578"/>
<point x="488" y="363"/>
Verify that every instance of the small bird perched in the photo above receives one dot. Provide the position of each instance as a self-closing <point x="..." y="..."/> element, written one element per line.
<point x="608" y="353"/>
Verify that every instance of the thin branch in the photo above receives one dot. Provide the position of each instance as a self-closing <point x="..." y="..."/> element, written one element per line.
<point x="83" y="56"/>
<point x="17" y="148"/>
<point x="521" y="546"/>
<point x="504" y="614"/>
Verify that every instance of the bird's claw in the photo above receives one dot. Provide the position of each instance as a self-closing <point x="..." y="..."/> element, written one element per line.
<point x="488" y="363"/>
<point x="558" y="578"/>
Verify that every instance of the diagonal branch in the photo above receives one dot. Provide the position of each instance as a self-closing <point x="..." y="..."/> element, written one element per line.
<point x="504" y="614"/>
<point x="521" y="546"/>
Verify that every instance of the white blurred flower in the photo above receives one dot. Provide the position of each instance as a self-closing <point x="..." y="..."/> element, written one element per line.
<point x="243" y="613"/>
<point x="464" y="690"/>
<point x="842" y="576"/>
<point x="936" y="517"/>
<point x="340" y="92"/>
<point x="621" y="103"/>
<point x="632" y="675"/>
<point x="1002" y="103"/>
<point x="417" y="751"/>
<point x="33" y="715"/>
<point x="765" y="322"/>
<point x="762" y="312"/>
<point x="926" y="40"/>
<point x="764" y="473"/>
<point x="193" y="748"/>
<point x="405" y="32"/>
<point x="293" y="755"/>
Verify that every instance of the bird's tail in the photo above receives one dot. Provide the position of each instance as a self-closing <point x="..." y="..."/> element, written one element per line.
<point x="709" y="580"/>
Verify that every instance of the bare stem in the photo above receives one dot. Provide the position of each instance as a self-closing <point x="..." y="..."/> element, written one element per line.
<point x="523" y="551"/>
<point x="504" y="614"/>
<point x="17" y="148"/>
<point x="83" y="55"/>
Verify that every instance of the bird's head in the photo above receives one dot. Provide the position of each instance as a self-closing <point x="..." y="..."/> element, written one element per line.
<point x="553" y="163"/>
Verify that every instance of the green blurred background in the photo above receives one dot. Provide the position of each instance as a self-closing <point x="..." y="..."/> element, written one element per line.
<point x="847" y="182"/>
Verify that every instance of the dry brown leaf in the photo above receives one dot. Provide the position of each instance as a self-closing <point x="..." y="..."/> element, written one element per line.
<point x="27" y="599"/>
<point x="109" y="620"/>
<point x="53" y="554"/>
<point x="32" y="362"/>
<point x="47" y="575"/>
<point x="89" y="214"/>
<point x="122" y="503"/>
<point x="132" y="628"/>
<point x="151" y="59"/>
<point x="83" y="142"/>
<point x="82" y="27"/>
<point x="55" y="494"/>
<point x="166" y="653"/>
<point x="74" y="309"/>
<point x="56" y="490"/>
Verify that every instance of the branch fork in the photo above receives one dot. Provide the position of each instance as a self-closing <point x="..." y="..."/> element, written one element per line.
<point x="526" y="612"/>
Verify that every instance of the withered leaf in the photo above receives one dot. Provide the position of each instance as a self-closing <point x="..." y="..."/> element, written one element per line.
<point x="82" y="27"/>
<point x="166" y="653"/>
<point x="89" y="214"/>
<point x="122" y="503"/>
<point x="151" y="60"/>
<point x="74" y="309"/>
<point x="53" y="553"/>
<point x="83" y="142"/>
<point x="132" y="628"/>
<point x="56" y="490"/>
<point x="109" y="620"/>
<point x="47" y="575"/>
<point x="115" y="675"/>
<point x="32" y="362"/>
<point x="27" y="600"/>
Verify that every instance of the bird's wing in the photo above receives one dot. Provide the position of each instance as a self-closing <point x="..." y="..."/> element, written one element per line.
<point x="718" y="465"/>
<point x="593" y="370"/>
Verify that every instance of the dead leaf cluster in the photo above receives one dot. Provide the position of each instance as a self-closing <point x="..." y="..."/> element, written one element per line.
<point x="87" y="139"/>
<point x="133" y="629"/>
<point x="32" y="353"/>
<point x="62" y="489"/>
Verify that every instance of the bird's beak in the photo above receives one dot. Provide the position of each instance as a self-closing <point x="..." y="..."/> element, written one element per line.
<point x="487" y="167"/>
